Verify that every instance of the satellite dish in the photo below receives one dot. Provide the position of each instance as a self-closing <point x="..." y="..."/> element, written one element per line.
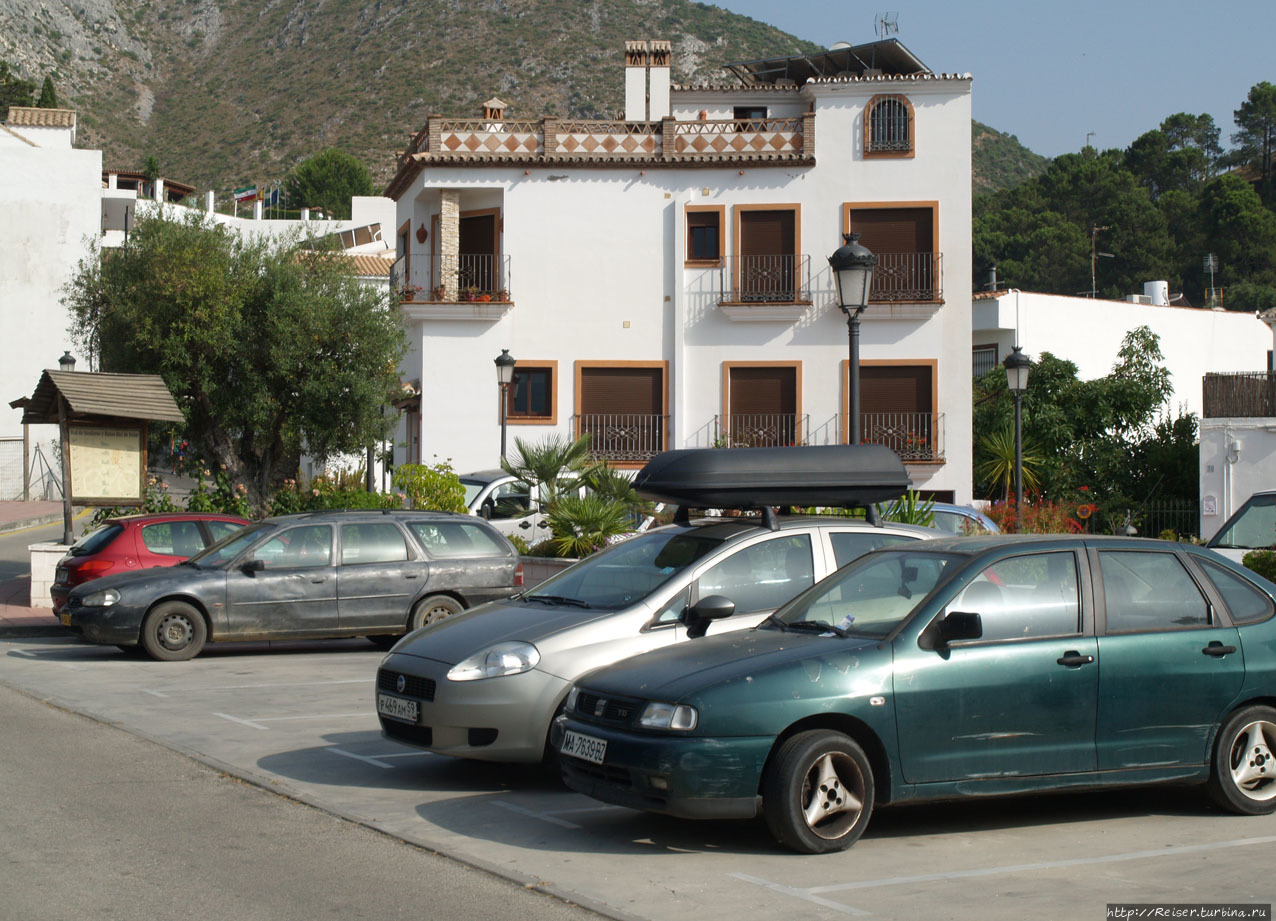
<point x="838" y="46"/>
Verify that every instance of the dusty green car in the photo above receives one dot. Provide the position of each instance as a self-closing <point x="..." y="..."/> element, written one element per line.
<point x="965" y="667"/>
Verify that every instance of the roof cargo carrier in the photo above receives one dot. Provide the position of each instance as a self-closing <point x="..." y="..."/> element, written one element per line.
<point x="841" y="476"/>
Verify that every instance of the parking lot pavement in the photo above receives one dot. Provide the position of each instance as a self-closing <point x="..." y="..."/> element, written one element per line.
<point x="299" y="719"/>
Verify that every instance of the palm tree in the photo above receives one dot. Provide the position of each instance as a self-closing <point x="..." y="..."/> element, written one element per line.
<point x="583" y="524"/>
<point x="999" y="469"/>
<point x="550" y="467"/>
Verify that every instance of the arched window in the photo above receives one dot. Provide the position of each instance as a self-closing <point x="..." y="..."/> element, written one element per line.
<point x="888" y="126"/>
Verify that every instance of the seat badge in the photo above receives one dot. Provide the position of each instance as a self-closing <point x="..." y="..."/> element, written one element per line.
<point x="600" y="707"/>
<point x="401" y="684"/>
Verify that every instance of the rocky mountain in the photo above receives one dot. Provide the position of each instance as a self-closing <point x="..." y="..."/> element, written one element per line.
<point x="230" y="92"/>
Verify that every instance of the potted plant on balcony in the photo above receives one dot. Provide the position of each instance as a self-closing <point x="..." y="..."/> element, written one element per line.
<point x="439" y="293"/>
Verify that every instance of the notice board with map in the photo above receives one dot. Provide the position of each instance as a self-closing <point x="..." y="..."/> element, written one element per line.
<point x="108" y="464"/>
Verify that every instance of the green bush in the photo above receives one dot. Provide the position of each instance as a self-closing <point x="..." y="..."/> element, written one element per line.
<point x="1262" y="562"/>
<point x="435" y="487"/>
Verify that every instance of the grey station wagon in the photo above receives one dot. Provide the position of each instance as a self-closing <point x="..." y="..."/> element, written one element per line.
<point x="377" y="574"/>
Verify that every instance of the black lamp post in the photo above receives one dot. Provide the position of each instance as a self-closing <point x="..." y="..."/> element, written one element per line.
<point x="1017" y="367"/>
<point x="852" y="266"/>
<point x="66" y="362"/>
<point x="504" y="375"/>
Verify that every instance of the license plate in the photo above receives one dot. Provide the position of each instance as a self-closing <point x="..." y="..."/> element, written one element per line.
<point x="66" y="618"/>
<point x="586" y="748"/>
<point x="60" y="576"/>
<point x="398" y="708"/>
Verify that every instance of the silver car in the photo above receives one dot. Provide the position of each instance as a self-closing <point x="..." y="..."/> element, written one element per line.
<point x="486" y="683"/>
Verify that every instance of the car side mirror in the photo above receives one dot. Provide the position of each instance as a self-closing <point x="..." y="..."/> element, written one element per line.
<point x="254" y="566"/>
<point x="960" y="625"/>
<point x="704" y="612"/>
<point x="485" y="510"/>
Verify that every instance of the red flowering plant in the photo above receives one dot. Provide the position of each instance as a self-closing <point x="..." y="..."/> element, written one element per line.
<point x="1040" y="516"/>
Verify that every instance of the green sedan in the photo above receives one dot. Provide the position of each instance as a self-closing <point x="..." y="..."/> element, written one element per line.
<point x="967" y="667"/>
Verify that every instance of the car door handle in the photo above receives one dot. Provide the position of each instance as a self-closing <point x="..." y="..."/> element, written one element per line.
<point x="318" y="579"/>
<point x="1218" y="649"/>
<point x="1074" y="659"/>
<point x="410" y="575"/>
<point x="525" y="525"/>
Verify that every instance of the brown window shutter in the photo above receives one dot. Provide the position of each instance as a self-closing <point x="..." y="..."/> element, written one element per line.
<point x="894" y="230"/>
<point x="621" y="390"/>
<point x="763" y="390"/>
<point x="767" y="233"/>
<point x="895" y="389"/>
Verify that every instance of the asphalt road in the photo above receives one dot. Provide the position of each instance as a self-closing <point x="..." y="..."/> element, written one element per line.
<point x="15" y="560"/>
<point x="100" y="824"/>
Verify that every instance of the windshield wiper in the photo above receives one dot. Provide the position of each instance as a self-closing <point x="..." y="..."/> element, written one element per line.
<point x="812" y="626"/>
<point x="557" y="599"/>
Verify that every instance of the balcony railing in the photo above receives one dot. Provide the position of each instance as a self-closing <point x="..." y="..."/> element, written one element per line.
<point x="908" y="277"/>
<point x="621" y="437"/>
<point x="913" y="436"/>
<point x="780" y="279"/>
<point x="761" y="430"/>
<point x="1241" y="394"/>
<point x="432" y="279"/>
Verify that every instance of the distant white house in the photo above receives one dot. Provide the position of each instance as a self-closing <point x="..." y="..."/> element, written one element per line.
<point x="661" y="280"/>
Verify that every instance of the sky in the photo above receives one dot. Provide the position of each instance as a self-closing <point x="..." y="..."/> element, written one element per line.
<point x="1052" y="73"/>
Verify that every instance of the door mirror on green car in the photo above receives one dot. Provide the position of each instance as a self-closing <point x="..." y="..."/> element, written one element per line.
<point x="960" y="625"/>
<point x="704" y="612"/>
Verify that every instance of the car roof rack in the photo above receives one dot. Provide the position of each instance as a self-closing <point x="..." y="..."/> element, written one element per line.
<point x="840" y="476"/>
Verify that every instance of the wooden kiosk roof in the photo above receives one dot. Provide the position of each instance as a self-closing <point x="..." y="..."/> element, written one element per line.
<point x="95" y="393"/>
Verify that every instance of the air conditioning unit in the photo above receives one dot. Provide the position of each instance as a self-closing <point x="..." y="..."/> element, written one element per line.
<point x="1138" y="299"/>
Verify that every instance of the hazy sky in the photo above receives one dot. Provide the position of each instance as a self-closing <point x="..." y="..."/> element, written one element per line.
<point x="1049" y="73"/>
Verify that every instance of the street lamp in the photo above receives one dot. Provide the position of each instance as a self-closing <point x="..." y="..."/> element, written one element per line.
<point x="1017" y="367"/>
<point x="852" y="266"/>
<point x="66" y="362"/>
<point x="504" y="375"/>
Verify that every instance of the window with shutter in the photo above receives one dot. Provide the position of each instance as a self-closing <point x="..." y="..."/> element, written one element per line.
<point x="768" y="255"/>
<point x="622" y="409"/>
<point x="762" y="406"/>
<point x="903" y="239"/>
<point x="897" y="409"/>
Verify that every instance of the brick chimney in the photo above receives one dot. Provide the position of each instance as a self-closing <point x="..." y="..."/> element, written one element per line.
<point x="635" y="81"/>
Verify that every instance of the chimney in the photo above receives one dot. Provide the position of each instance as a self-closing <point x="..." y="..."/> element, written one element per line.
<point x="659" y="61"/>
<point x="211" y="201"/>
<point x="494" y="109"/>
<point x="635" y="81"/>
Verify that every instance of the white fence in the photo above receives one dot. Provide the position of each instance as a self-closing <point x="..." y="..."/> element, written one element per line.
<point x="45" y="483"/>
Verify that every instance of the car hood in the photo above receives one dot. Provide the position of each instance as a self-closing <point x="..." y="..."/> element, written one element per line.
<point x="677" y="672"/>
<point x="458" y="637"/>
<point x="151" y="576"/>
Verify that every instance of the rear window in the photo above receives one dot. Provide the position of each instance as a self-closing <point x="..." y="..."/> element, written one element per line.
<point x="448" y="539"/>
<point x="97" y="541"/>
<point x="173" y="538"/>
<point x="1245" y="602"/>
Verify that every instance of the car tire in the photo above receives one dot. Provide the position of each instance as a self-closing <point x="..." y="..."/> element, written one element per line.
<point x="1243" y="770"/>
<point x="433" y="609"/>
<point x="384" y="640"/>
<point x="173" y="632"/>
<point x="817" y="792"/>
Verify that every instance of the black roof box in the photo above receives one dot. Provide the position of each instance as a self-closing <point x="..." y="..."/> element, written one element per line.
<point x="842" y="476"/>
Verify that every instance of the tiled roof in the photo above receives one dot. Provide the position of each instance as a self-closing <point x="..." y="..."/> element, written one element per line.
<point x="41" y="118"/>
<point x="130" y="396"/>
<point x="365" y="265"/>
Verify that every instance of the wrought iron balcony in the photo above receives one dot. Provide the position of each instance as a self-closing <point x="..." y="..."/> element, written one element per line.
<point x="908" y="277"/>
<point x="427" y="278"/>
<point x="622" y="437"/>
<point x="913" y="436"/>
<point x="1242" y="394"/>
<point x="779" y="279"/>
<point x="761" y="430"/>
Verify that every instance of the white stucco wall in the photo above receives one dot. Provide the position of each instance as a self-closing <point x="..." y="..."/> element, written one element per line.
<point x="1238" y="458"/>
<point x="597" y="275"/>
<point x="1089" y="333"/>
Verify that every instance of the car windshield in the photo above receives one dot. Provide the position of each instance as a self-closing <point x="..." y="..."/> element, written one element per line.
<point x="96" y="540"/>
<point x="628" y="572"/>
<point x="1253" y="527"/>
<point x="870" y="597"/>
<point x="472" y="488"/>
<point x="229" y="547"/>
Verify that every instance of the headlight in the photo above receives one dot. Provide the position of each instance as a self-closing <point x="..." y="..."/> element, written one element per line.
<point x="501" y="659"/>
<point x="668" y="716"/>
<point x="102" y="599"/>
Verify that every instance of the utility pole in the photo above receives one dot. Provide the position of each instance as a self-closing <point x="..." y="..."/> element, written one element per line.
<point x="1094" y="256"/>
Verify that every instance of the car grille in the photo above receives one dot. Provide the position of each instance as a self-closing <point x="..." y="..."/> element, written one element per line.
<point x="607" y="709"/>
<point x="413" y="735"/>
<point x="413" y="686"/>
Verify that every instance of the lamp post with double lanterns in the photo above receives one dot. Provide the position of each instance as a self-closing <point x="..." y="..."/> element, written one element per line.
<point x="852" y="266"/>
<point x="504" y="376"/>
<point x="1017" y="367"/>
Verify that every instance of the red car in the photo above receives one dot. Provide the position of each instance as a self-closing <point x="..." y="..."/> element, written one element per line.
<point x="137" y="542"/>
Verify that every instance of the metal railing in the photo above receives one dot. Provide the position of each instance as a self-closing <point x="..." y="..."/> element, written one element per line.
<point x="433" y="279"/>
<point x="761" y="430"/>
<point x="889" y="126"/>
<point x="780" y="279"/>
<point x="1244" y="394"/>
<point x="913" y="436"/>
<point x="1182" y="516"/>
<point x="982" y="360"/>
<point x="908" y="277"/>
<point x="623" y="436"/>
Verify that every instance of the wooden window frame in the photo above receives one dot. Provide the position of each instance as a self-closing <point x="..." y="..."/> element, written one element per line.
<point x="889" y="363"/>
<point x="728" y="366"/>
<point x="868" y="129"/>
<point x="932" y="205"/>
<point x="581" y="365"/>
<point x="721" y="211"/>
<point x="551" y="366"/>
<point x="736" y="211"/>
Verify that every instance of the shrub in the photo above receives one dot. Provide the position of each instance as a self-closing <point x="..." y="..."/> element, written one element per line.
<point x="435" y="487"/>
<point x="1262" y="562"/>
<point x="910" y="508"/>
<point x="1039" y="517"/>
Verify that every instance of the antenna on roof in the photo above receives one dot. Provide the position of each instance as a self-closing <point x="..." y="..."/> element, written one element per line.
<point x="887" y="24"/>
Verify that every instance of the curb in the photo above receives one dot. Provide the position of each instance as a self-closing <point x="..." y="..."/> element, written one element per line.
<point x="14" y="631"/>
<point x="28" y="523"/>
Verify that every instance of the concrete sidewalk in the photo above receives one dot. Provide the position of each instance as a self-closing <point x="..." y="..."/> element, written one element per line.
<point x="17" y="616"/>
<point x="15" y="515"/>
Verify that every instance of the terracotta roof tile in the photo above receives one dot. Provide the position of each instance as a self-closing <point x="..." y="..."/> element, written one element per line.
<point x="41" y="118"/>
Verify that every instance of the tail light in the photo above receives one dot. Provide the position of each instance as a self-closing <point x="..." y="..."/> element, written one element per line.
<point x="90" y="569"/>
<point x="518" y="576"/>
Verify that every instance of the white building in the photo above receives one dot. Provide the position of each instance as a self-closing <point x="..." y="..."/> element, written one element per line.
<point x="662" y="280"/>
<point x="1089" y="332"/>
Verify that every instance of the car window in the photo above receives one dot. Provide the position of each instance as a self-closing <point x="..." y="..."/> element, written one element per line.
<point x="379" y="542"/>
<point x="851" y="545"/>
<point x="677" y="606"/>
<point x="96" y="541"/>
<point x="1149" y="591"/>
<point x="230" y="547"/>
<point x="447" y="539"/>
<point x="1253" y="527"/>
<point x="297" y="548"/>
<point x="1025" y="596"/>
<point x="173" y="538"/>
<point x="1245" y="602"/>
<point x="872" y="596"/>
<point x="762" y="576"/>
<point x="222" y="529"/>
<point x="509" y="500"/>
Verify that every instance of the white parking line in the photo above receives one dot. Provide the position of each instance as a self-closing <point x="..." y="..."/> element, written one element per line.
<point x="286" y="684"/>
<point x="813" y="893"/>
<point x="543" y="816"/>
<point x="235" y="719"/>
<point x="257" y="721"/>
